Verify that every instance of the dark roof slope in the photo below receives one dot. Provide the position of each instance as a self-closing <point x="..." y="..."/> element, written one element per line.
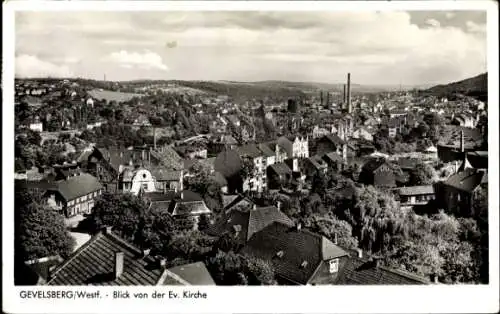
<point x="298" y="246"/>
<point x="251" y="221"/>
<point x="467" y="180"/>
<point x="93" y="264"/>
<point x="77" y="186"/>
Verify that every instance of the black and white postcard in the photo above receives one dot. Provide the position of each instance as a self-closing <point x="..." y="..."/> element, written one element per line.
<point x="250" y="157"/>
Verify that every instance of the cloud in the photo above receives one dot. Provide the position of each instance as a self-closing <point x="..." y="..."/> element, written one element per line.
<point x="433" y="22"/>
<point x="475" y="28"/>
<point x="32" y="66"/>
<point x="146" y="60"/>
<point x="380" y="46"/>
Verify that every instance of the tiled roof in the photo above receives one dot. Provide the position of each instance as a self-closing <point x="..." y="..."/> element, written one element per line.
<point x="467" y="180"/>
<point x="161" y="174"/>
<point x="77" y="186"/>
<point x="251" y="221"/>
<point x="228" y="199"/>
<point x="168" y="157"/>
<point x="297" y="247"/>
<point x="416" y="190"/>
<point x="358" y="271"/>
<point x="93" y="264"/>
<point x="281" y="168"/>
<point x="194" y="274"/>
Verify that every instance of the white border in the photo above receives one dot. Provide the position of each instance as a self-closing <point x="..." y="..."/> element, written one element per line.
<point x="385" y="299"/>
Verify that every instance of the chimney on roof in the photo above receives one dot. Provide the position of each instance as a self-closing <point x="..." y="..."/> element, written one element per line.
<point x="335" y="239"/>
<point x="182" y="195"/>
<point x="360" y="253"/>
<point x="118" y="267"/>
<point x="278" y="205"/>
<point x="146" y="252"/>
<point x="254" y="207"/>
<point x="298" y="227"/>
<point x="107" y="229"/>
<point x="349" y="107"/>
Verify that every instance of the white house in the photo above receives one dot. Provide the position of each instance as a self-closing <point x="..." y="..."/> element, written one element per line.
<point x="36" y="126"/>
<point x="295" y="146"/>
<point x="133" y="180"/>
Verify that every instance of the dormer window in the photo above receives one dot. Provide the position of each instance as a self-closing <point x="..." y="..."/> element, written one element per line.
<point x="334" y="265"/>
<point x="280" y="254"/>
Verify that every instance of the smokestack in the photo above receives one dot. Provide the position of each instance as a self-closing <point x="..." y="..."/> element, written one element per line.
<point x="462" y="141"/>
<point x="344" y="96"/>
<point x="118" y="267"/>
<point x="349" y="108"/>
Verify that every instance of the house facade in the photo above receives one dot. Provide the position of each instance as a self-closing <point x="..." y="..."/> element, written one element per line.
<point x="74" y="195"/>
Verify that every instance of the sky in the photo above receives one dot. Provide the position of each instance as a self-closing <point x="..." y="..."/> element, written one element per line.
<point x="413" y="47"/>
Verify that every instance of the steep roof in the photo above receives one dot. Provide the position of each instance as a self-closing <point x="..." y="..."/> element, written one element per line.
<point x="77" y="186"/>
<point x="467" y="180"/>
<point x="358" y="271"/>
<point x="478" y="159"/>
<point x="93" y="264"/>
<point x="251" y="221"/>
<point x="297" y="247"/>
<point x="333" y="138"/>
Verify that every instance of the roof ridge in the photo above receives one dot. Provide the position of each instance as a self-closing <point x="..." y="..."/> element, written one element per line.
<point x="404" y="274"/>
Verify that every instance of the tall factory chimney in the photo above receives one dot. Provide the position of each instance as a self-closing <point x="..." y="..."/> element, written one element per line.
<point x="349" y="106"/>
<point x="344" y="96"/>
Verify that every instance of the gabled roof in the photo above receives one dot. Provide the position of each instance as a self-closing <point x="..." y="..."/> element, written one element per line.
<point x="251" y="222"/>
<point x="359" y="271"/>
<point x="93" y="264"/>
<point x="333" y="156"/>
<point x="467" y="180"/>
<point x="297" y="246"/>
<point x="77" y="186"/>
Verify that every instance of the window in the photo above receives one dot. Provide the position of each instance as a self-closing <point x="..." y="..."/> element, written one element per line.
<point x="334" y="266"/>
<point x="145" y="186"/>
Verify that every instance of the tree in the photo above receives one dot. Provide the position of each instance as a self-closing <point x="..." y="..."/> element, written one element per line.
<point x="247" y="168"/>
<point x="332" y="228"/>
<point x="235" y="269"/>
<point x="422" y="174"/>
<point x="123" y="212"/>
<point x="39" y="230"/>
